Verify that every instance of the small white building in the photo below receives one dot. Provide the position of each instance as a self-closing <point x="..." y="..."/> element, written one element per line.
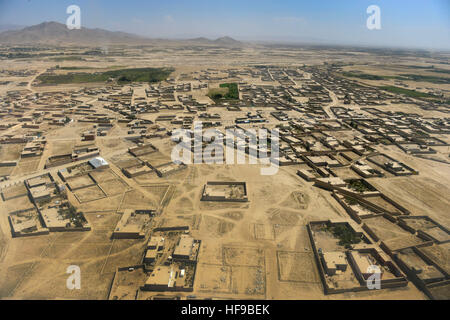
<point x="98" y="163"/>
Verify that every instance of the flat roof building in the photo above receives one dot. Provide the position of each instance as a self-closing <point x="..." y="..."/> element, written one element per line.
<point x="165" y="278"/>
<point x="131" y="225"/>
<point x="334" y="261"/>
<point x="184" y="248"/>
<point x="98" y="163"/>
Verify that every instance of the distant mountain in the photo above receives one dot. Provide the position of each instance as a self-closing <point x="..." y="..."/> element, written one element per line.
<point x="226" y="41"/>
<point x="58" y="33"/>
<point x="55" y="33"/>
<point x="200" y="39"/>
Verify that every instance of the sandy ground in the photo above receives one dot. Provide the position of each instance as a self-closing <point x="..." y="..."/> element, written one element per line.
<point x="257" y="249"/>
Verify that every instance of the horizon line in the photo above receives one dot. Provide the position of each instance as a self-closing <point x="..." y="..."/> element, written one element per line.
<point x="249" y="40"/>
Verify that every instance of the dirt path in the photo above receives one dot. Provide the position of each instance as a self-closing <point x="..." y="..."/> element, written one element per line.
<point x="29" y="85"/>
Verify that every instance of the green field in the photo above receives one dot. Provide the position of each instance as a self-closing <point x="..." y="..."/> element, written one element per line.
<point x="122" y="76"/>
<point x="404" y="77"/>
<point x="431" y="79"/>
<point x="233" y="91"/>
<point x="407" y="92"/>
<point x="226" y="91"/>
<point x="364" y="76"/>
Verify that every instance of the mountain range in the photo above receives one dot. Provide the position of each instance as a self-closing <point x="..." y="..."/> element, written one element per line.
<point x="56" y="33"/>
<point x="218" y="41"/>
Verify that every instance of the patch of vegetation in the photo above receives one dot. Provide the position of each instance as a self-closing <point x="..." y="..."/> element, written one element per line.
<point x="431" y="79"/>
<point x="445" y="71"/>
<point x="124" y="79"/>
<point x="404" y="77"/>
<point x="289" y="98"/>
<point x="19" y="55"/>
<point x="226" y="91"/>
<point x="351" y="201"/>
<point x="140" y="74"/>
<point x="364" y="76"/>
<point x="359" y="186"/>
<point x="75" y="217"/>
<point x="95" y="52"/>
<point x="407" y="92"/>
<point x="345" y="235"/>
<point x="68" y="58"/>
<point x="354" y="125"/>
<point x="233" y="91"/>
<point x="122" y="76"/>
<point x="71" y="68"/>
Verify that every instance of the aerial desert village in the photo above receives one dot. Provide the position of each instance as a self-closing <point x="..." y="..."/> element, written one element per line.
<point x="87" y="177"/>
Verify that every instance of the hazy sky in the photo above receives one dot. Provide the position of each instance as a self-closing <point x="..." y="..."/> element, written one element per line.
<point x="404" y="23"/>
